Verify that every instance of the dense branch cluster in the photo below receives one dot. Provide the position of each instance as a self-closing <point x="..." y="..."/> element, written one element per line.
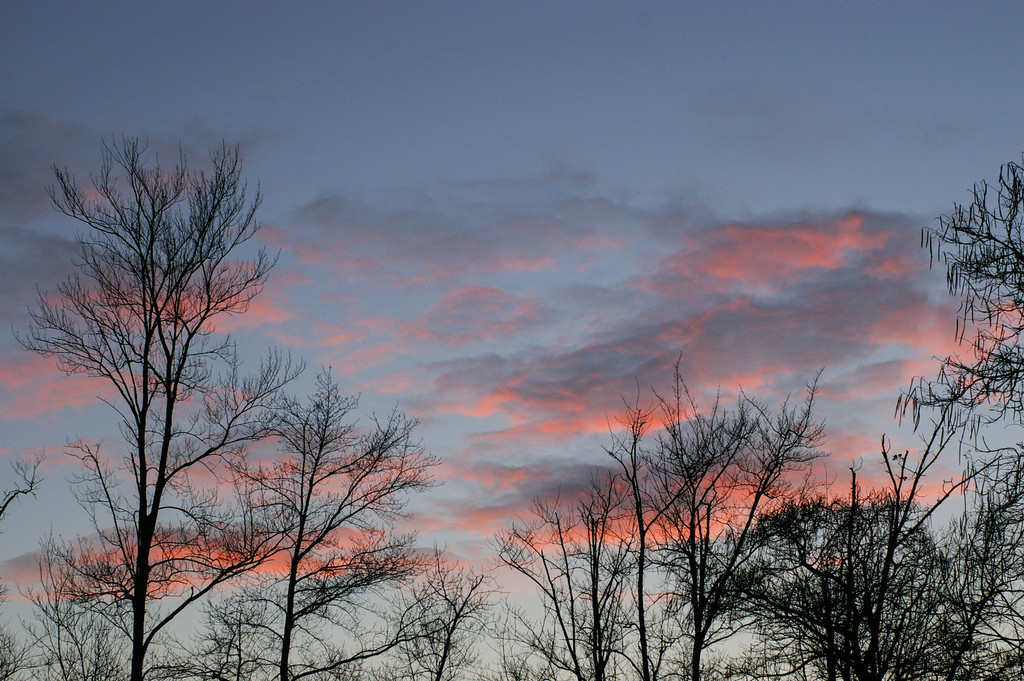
<point x="707" y="545"/>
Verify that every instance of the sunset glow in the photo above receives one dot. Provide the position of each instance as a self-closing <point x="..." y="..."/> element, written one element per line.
<point x="512" y="219"/>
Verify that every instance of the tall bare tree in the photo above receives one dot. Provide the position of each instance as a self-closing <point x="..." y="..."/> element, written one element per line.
<point x="831" y="603"/>
<point x="981" y="245"/>
<point x="719" y="470"/>
<point x="155" y="275"/>
<point x="982" y="631"/>
<point x="13" y="653"/>
<point x="13" y="656"/>
<point x="72" y="640"/>
<point x="578" y="558"/>
<point x="332" y="497"/>
<point x="232" y="646"/>
<point x="654" y="632"/>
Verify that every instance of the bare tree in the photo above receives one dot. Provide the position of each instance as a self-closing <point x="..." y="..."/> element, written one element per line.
<point x="14" y="656"/>
<point x="981" y="245"/>
<point x="332" y="497"/>
<point x="450" y="608"/>
<point x="834" y="604"/>
<point x="654" y="632"/>
<point x="73" y="640"/>
<point x="579" y="561"/>
<point x="155" y="275"/>
<point x="862" y="587"/>
<point x="232" y="646"/>
<point x="982" y="631"/>
<point x="641" y="575"/>
<point x="720" y="469"/>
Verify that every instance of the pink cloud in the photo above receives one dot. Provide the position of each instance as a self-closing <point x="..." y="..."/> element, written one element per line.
<point x="503" y="493"/>
<point x="262" y="311"/>
<point x="480" y="522"/>
<point x="31" y="387"/>
<point x="768" y="257"/>
<point x="537" y="397"/>
<point x="273" y="307"/>
<point x="320" y="334"/>
<point x="21" y="571"/>
<point x="865" y="381"/>
<point x="762" y="305"/>
<point x="770" y="252"/>
<point x="768" y="345"/>
<point x="355" y="361"/>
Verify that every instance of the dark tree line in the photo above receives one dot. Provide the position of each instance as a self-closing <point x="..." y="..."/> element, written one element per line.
<point x="751" y="572"/>
<point x="640" y="578"/>
<point x="707" y="544"/>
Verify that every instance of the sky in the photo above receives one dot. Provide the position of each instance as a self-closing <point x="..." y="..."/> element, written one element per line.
<point x="506" y="218"/>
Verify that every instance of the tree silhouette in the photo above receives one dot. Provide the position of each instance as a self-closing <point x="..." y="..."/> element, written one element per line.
<point x="14" y="655"/>
<point x="981" y="245"/>
<point x="449" y="607"/>
<point x="654" y="629"/>
<point x="155" y="274"/>
<point x="719" y="470"/>
<point x="28" y="479"/>
<point x="575" y="556"/>
<point x="71" y="638"/>
<point x="331" y="497"/>
<point x="864" y="587"/>
<point x="983" y="579"/>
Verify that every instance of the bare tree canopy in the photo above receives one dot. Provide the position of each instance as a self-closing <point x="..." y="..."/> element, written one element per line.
<point x="156" y="272"/>
<point x="866" y="587"/>
<point x="449" y="606"/>
<point x="575" y="556"/>
<point x="638" y="576"/>
<point x="981" y="245"/>
<point x="719" y="469"/>
<point x="331" y="498"/>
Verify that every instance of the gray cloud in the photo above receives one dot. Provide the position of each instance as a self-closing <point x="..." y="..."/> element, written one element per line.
<point x="30" y="260"/>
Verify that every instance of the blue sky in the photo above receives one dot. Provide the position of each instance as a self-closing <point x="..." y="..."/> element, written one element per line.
<point x="504" y="216"/>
